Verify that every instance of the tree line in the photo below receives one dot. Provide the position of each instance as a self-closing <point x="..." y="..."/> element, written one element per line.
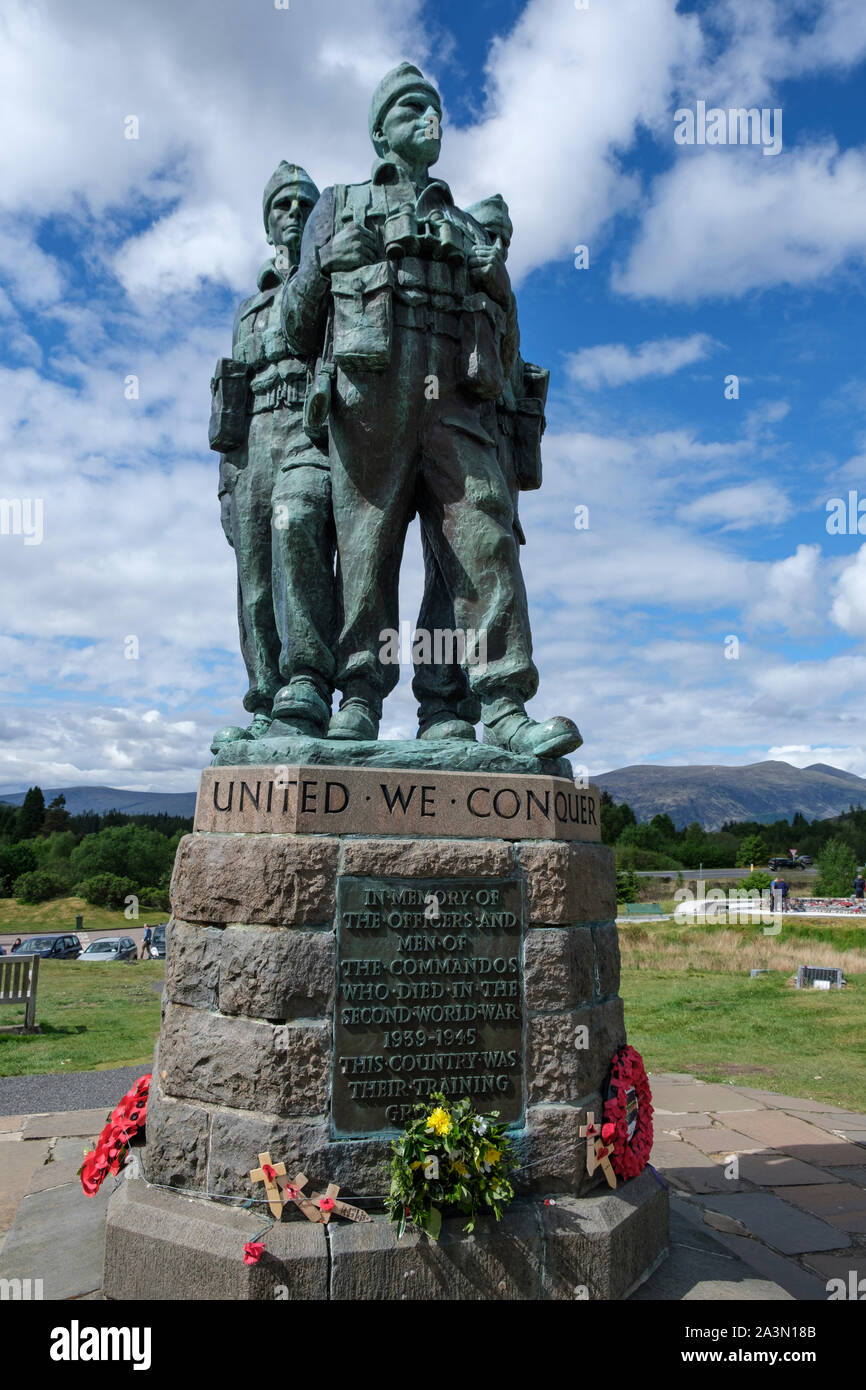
<point x="46" y="852"/>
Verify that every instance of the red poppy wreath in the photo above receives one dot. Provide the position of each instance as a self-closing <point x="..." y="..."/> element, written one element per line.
<point x="628" y="1106"/>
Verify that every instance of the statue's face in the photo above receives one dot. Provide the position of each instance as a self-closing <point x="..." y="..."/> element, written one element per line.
<point x="288" y="216"/>
<point x="412" y="127"/>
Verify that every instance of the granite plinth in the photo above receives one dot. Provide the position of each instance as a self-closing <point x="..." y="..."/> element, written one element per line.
<point x="162" y="1246"/>
<point x="294" y="799"/>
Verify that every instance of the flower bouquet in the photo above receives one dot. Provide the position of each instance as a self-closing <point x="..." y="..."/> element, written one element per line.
<point x="450" y="1156"/>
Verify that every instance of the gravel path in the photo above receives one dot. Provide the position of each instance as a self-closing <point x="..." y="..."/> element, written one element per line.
<point x="74" y="1090"/>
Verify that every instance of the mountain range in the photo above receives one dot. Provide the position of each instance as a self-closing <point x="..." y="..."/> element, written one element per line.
<point x="102" y="799"/>
<point x="763" y="792"/>
<point x="710" y="795"/>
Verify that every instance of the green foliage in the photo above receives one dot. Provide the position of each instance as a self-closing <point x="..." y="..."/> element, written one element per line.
<point x="631" y="858"/>
<point x="130" y="851"/>
<point x="753" y="850"/>
<point x="837" y="867"/>
<point x="614" y="818"/>
<point x="449" y="1156"/>
<point x="31" y="814"/>
<point x="15" y="860"/>
<point x="53" y="849"/>
<point x="155" y="897"/>
<point x="627" y="887"/>
<point x="56" y="816"/>
<point x="108" y="890"/>
<point x="757" y="879"/>
<point x="39" y="886"/>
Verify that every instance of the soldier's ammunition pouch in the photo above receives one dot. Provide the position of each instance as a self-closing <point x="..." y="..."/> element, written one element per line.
<point x="228" y="418"/>
<point x="363" y="324"/>
<point x="528" y="422"/>
<point x="480" y="358"/>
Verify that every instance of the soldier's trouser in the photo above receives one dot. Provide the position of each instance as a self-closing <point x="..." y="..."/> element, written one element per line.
<point x="250" y="519"/>
<point x="393" y="450"/>
<point x="303" y="546"/>
<point x="441" y="688"/>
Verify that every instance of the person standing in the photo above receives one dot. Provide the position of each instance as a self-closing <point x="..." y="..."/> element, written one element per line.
<point x="414" y="301"/>
<point x="275" y="493"/>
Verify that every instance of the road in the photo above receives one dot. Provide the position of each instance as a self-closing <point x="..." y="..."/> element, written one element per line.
<point x="713" y="873"/>
<point x="133" y="929"/>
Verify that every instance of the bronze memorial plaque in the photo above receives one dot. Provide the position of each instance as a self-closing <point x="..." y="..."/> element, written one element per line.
<point x="429" y="998"/>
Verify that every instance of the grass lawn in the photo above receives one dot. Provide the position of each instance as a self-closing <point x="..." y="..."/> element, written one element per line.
<point x="18" y="919"/>
<point x="92" y="1017"/>
<point x="691" y="1006"/>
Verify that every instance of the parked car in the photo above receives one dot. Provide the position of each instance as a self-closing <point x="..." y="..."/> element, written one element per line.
<point x="57" y="947"/>
<point x="784" y="861"/>
<point x="111" y="948"/>
<point x="157" y="942"/>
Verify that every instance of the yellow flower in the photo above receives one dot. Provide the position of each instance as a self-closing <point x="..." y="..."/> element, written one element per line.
<point x="439" y="1121"/>
<point x="459" y="1168"/>
<point x="492" y="1155"/>
<point x="416" y="1164"/>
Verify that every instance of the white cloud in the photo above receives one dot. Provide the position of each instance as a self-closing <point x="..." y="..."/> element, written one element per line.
<point x="723" y="222"/>
<point x="849" y="604"/>
<point x="740" y="508"/>
<point x="614" y="364"/>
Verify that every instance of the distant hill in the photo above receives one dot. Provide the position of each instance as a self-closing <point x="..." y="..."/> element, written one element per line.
<point x="712" y="795"/>
<point x="102" y="799"/>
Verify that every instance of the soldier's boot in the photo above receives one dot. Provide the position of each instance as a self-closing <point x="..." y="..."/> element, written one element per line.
<point x="300" y="709"/>
<point x="232" y="733"/>
<point x="437" y="721"/>
<point x="358" y="716"/>
<point x="519" y="734"/>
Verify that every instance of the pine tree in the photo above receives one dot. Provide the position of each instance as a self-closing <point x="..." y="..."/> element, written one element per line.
<point x="31" y="815"/>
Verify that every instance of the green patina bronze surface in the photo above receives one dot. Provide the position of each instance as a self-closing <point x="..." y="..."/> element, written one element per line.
<point x="377" y="375"/>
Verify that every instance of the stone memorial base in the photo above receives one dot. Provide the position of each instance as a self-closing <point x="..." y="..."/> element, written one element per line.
<point x="344" y="943"/>
<point x="162" y="1246"/>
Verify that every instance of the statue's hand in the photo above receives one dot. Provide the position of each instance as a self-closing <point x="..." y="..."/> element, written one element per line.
<point x="487" y="269"/>
<point x="350" y="248"/>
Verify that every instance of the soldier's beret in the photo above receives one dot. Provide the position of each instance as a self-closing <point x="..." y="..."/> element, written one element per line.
<point x="283" y="176"/>
<point x="404" y="78"/>
<point x="492" y="210"/>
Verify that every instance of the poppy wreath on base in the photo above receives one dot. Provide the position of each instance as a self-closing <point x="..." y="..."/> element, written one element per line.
<point x="127" y="1121"/>
<point x="628" y="1107"/>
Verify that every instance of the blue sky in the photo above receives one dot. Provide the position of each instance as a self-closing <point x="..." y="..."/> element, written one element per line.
<point x="707" y="516"/>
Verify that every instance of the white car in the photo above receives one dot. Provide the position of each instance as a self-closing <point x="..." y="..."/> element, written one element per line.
<point x="111" y="948"/>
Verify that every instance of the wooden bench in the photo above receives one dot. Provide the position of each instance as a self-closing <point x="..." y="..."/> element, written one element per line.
<point x="643" y="910"/>
<point x="18" y="979"/>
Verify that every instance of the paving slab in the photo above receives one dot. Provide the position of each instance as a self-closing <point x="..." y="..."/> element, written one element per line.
<point x="54" y="1175"/>
<point x="857" y="1174"/>
<point x="769" y="1168"/>
<point x="70" y="1266"/>
<point x="17" y="1163"/>
<point x="836" y="1119"/>
<point x="706" y="1096"/>
<point x="689" y="1119"/>
<point x="721" y="1141"/>
<point x="839" y="1203"/>
<point x="839" y="1266"/>
<point x="68" y="1122"/>
<point x="10" y="1123"/>
<point x="778" y="1224"/>
<point x="76" y="1147"/>
<point x="698" y="1268"/>
<point x="685" y="1166"/>
<point x="796" y="1137"/>
<point x="779" y="1102"/>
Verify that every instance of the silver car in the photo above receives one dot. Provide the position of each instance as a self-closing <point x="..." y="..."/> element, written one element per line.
<point x="111" y="948"/>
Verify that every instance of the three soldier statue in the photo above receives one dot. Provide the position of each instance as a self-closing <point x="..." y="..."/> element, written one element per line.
<point x="377" y="374"/>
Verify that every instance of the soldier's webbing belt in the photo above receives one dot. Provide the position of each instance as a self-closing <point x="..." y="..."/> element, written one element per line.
<point x="282" y="393"/>
<point x="427" y="319"/>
